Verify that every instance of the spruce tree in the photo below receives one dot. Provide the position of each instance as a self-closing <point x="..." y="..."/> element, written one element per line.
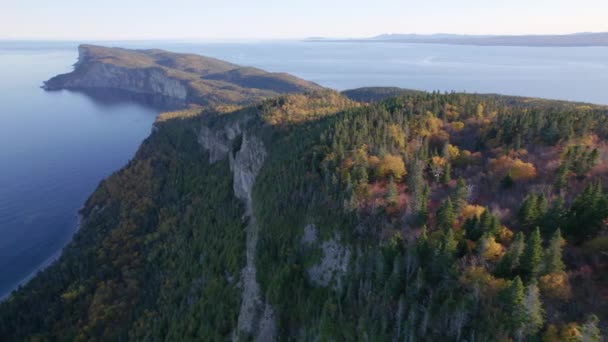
<point x="510" y="261"/>
<point x="460" y="195"/>
<point x="533" y="253"/>
<point x="515" y="306"/>
<point x="553" y="255"/>
<point x="528" y="213"/>
<point x="446" y="177"/>
<point x="445" y="215"/>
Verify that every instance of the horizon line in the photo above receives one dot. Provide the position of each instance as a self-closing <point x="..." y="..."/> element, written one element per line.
<point x="310" y="37"/>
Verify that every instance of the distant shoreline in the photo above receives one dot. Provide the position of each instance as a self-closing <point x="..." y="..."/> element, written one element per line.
<point x="569" y="40"/>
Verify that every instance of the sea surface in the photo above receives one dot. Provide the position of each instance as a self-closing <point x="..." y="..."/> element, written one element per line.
<point x="55" y="147"/>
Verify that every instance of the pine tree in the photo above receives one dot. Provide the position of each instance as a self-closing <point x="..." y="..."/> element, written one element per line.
<point x="448" y="242"/>
<point x="511" y="260"/>
<point x="507" y="181"/>
<point x="446" y="177"/>
<point x="533" y="253"/>
<point x="553" y="255"/>
<point x="460" y="195"/>
<point x="587" y="213"/>
<point x="553" y="218"/>
<point x="561" y="181"/>
<point x="445" y="215"/>
<point x="528" y="213"/>
<point x="541" y="206"/>
<point x="515" y="306"/>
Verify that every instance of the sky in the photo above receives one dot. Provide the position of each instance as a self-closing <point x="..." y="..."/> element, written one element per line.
<point x="284" y="19"/>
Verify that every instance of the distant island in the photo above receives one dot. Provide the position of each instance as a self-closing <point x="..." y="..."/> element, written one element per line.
<point x="576" y="39"/>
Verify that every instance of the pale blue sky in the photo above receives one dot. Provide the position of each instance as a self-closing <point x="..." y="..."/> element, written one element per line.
<point x="217" y="19"/>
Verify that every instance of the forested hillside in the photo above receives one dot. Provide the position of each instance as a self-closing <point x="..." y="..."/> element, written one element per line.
<point x="423" y="216"/>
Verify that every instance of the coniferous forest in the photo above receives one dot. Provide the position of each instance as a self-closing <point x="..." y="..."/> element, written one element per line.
<point x="381" y="215"/>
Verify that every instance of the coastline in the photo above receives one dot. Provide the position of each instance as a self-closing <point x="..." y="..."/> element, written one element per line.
<point x="46" y="263"/>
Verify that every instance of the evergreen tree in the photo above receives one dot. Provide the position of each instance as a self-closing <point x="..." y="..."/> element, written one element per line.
<point x="553" y="218"/>
<point x="515" y="306"/>
<point x="446" y="177"/>
<point x="528" y="213"/>
<point x="553" y="255"/>
<point x="445" y="215"/>
<point x="532" y="256"/>
<point x="507" y="181"/>
<point x="448" y="242"/>
<point x="561" y="180"/>
<point x="588" y="212"/>
<point x="460" y="195"/>
<point x="534" y="310"/>
<point x="541" y="207"/>
<point x="511" y="260"/>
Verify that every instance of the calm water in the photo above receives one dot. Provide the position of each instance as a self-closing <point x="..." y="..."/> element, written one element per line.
<point x="56" y="147"/>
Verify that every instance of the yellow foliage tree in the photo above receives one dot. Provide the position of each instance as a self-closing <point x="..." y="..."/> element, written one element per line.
<point x="519" y="169"/>
<point x="555" y="285"/>
<point x="392" y="165"/>
<point x="491" y="250"/>
<point x="457" y="126"/>
<point x="438" y="161"/>
<point x="505" y="235"/>
<point x="453" y="151"/>
<point x="373" y="162"/>
<point x="522" y="171"/>
<point x="469" y="211"/>
<point x="397" y="134"/>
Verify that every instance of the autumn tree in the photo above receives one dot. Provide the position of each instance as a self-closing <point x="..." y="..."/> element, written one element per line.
<point x="392" y="165"/>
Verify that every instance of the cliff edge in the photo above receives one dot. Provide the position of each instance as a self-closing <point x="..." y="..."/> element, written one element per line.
<point x="183" y="79"/>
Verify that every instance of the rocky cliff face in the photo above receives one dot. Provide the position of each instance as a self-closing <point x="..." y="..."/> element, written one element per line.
<point x="256" y="317"/>
<point x="93" y="74"/>
<point x="180" y="79"/>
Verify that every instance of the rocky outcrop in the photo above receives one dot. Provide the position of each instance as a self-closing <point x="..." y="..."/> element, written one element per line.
<point x="96" y="75"/>
<point x="256" y="318"/>
<point x="334" y="263"/>
<point x="180" y="79"/>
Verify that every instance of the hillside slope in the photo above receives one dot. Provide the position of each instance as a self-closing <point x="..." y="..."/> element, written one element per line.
<point x="313" y="217"/>
<point x="181" y="79"/>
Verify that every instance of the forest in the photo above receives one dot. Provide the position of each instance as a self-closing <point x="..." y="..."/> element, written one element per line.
<point x="386" y="216"/>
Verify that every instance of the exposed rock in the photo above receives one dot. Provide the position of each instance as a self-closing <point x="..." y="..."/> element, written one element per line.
<point x="180" y="79"/>
<point x="107" y="76"/>
<point x="333" y="266"/>
<point x="256" y="318"/>
<point x="268" y="325"/>
<point x="311" y="235"/>
<point x="245" y="166"/>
